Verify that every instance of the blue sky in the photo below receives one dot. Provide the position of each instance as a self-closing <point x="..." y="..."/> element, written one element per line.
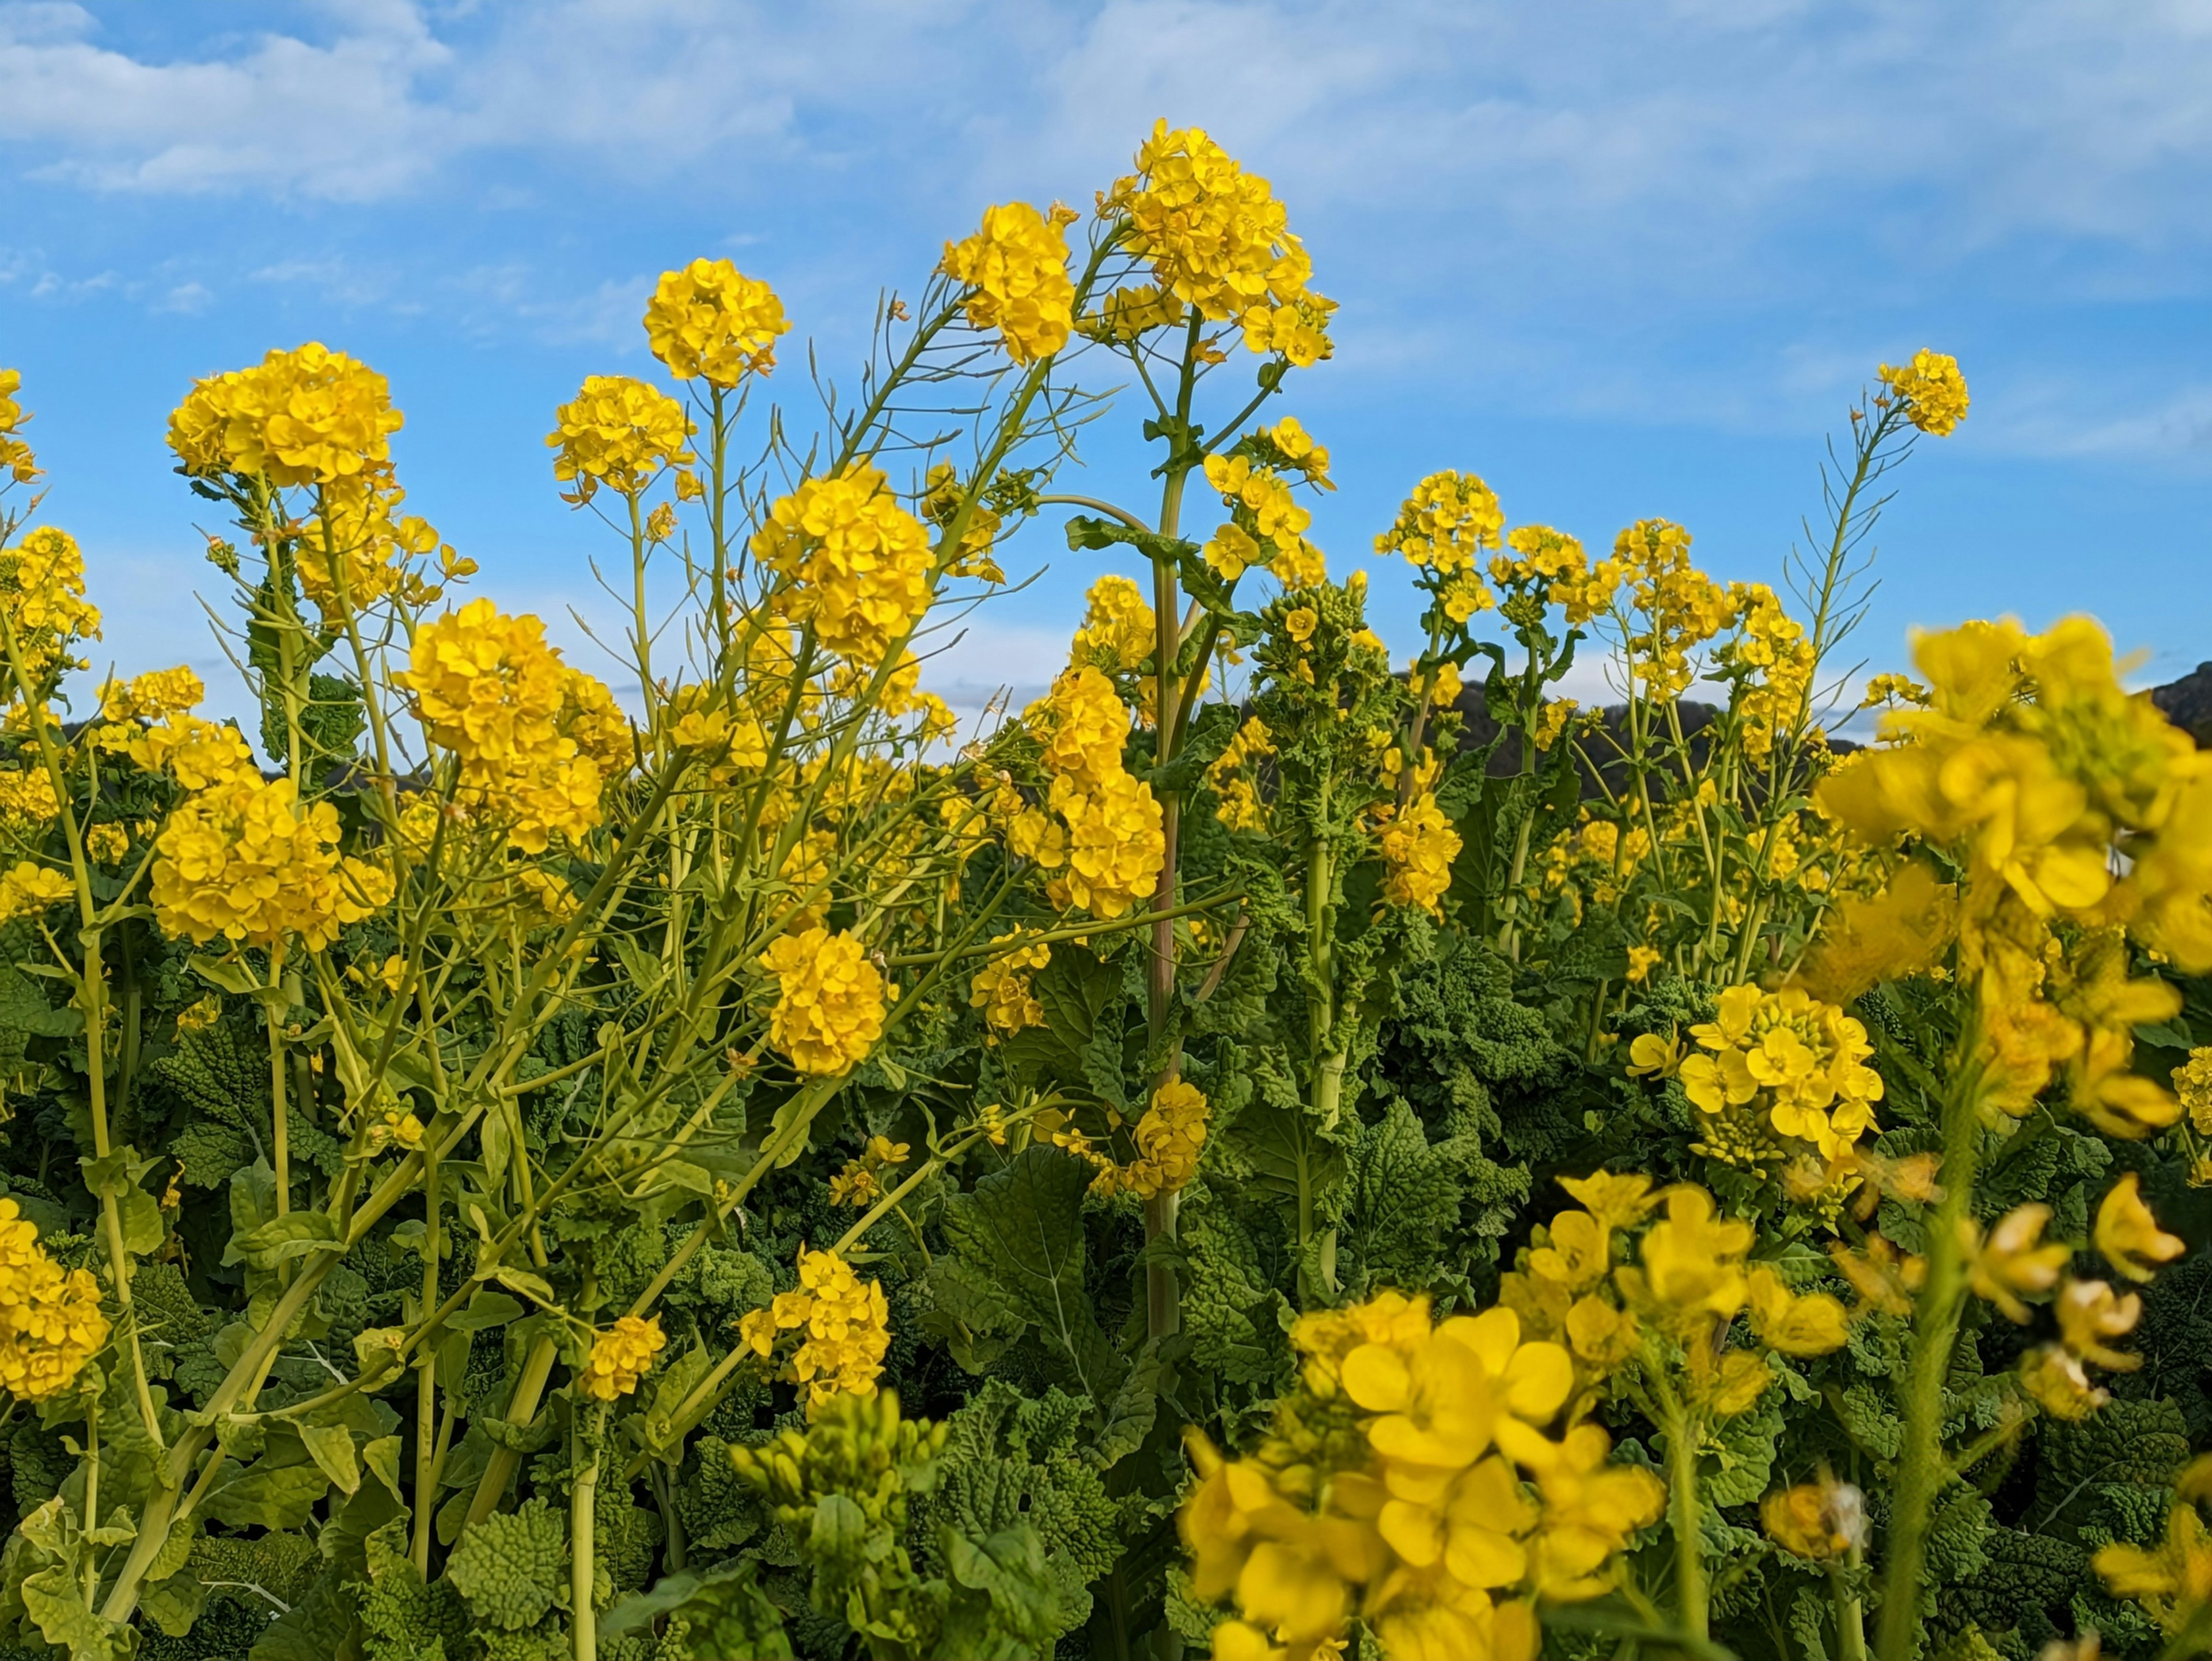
<point x="1621" y="260"/>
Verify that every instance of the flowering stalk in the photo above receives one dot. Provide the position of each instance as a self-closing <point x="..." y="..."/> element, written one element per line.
<point x="1922" y="1469"/>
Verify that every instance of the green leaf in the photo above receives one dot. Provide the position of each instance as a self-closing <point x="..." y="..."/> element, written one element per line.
<point x="1020" y="1257"/>
<point x="509" y="1568"/>
<point x="1074" y="990"/>
<point x="55" y="1601"/>
<point x="226" y="973"/>
<point x="1135" y="1407"/>
<point x="1400" y="1201"/>
<point x="24" y="1008"/>
<point x="297" y="1234"/>
<point x="268" y="1497"/>
<point x="522" y="1281"/>
<point x="486" y="1309"/>
<point x="142" y="1233"/>
<point x="174" y="1603"/>
<point x="331" y="1446"/>
<point x="1291" y="1158"/>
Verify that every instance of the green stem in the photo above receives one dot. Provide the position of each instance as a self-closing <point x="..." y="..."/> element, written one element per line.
<point x="583" y="1620"/>
<point x="1850" y="1617"/>
<point x="1692" y="1611"/>
<point x="1922" y="1471"/>
<point x="426" y="1387"/>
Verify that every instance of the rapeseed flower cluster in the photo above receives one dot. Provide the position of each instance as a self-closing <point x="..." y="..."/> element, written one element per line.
<point x="26" y="890"/>
<point x="353" y="551"/>
<point x="1690" y="1282"/>
<point x="1801" y="1061"/>
<point x="153" y="695"/>
<point x="1546" y="567"/>
<point x="1931" y="389"/>
<point x="1127" y="315"/>
<point x="621" y="1356"/>
<point x="246" y="860"/>
<point x="198" y="754"/>
<point x="1015" y="273"/>
<point x="710" y="321"/>
<point x="50" y="1323"/>
<point x="1771" y="661"/>
<point x="26" y="798"/>
<point x="42" y="587"/>
<point x="1110" y="843"/>
<point x="1443" y="529"/>
<point x="830" y="1000"/>
<point x="2066" y="801"/>
<point x="942" y="495"/>
<point x="308" y="416"/>
<point x="2172" y="1580"/>
<point x="1230" y="776"/>
<point x="1170" y="1137"/>
<point x="857" y="565"/>
<point x="1293" y="447"/>
<point x="487" y="688"/>
<point x="15" y="457"/>
<point x="1001" y="989"/>
<point x="1410" y="1480"/>
<point x="2015" y="1262"/>
<point x="620" y="432"/>
<point x="844" y="1327"/>
<point x="1266" y="526"/>
<point x="1419" y="846"/>
<point x="2192" y="1086"/>
<point x="1117" y="632"/>
<point x="859" y="1184"/>
<point x="1672" y="607"/>
<point x="1217" y="240"/>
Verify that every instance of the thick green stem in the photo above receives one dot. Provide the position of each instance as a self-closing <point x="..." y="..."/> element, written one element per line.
<point x="1692" y="1610"/>
<point x="1922" y="1471"/>
<point x="1850" y="1617"/>
<point x="583" y="1620"/>
<point x="521" y="1409"/>
<point x="426" y="1387"/>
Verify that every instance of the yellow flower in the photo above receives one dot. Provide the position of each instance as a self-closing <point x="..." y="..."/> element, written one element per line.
<point x="2089" y="1314"/>
<point x="619" y="432"/>
<point x="1805" y="1057"/>
<point x="28" y="889"/>
<point x="1617" y="1199"/>
<point x="1931" y="389"/>
<point x="1691" y="1261"/>
<point x="858" y="564"/>
<point x="1296" y="446"/>
<point x="1116" y="845"/>
<point x="1642" y="960"/>
<point x="50" y="1323"/>
<point x="1444" y="526"/>
<point x="1214" y="235"/>
<point x="2174" y="1582"/>
<point x="152" y="696"/>
<point x="196" y="753"/>
<point x="15" y="457"/>
<point x="830" y="1002"/>
<point x="1300" y="622"/>
<point x="244" y="860"/>
<point x="1169" y="1138"/>
<point x="1551" y="720"/>
<point x="306" y="416"/>
<point x="1001" y="988"/>
<point x="2192" y="1085"/>
<point x="1675" y="607"/>
<point x="710" y="320"/>
<point x="2058" y="1383"/>
<point x="42" y="583"/>
<point x="2128" y="1236"/>
<point x="846" y="1326"/>
<point x="1118" y="632"/>
<point x="1419" y="846"/>
<point x="1799" y="1520"/>
<point x="2014" y="1259"/>
<point x="1129" y="312"/>
<point x="1015" y="273"/>
<point x="487" y="686"/>
<point x="621" y="1356"/>
<point x="1811" y="1324"/>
